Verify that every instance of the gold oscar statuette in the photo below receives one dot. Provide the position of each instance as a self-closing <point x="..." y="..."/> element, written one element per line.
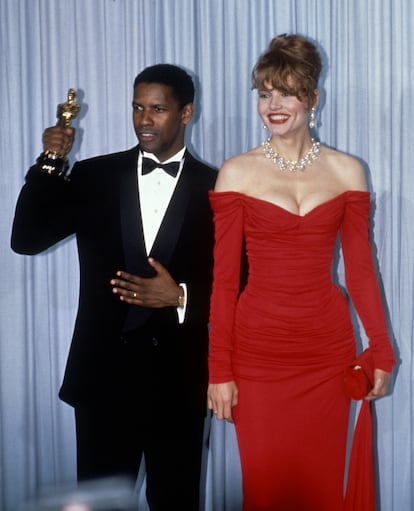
<point x="52" y="162"/>
<point x="69" y="110"/>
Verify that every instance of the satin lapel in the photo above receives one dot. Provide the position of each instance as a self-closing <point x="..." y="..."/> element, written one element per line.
<point x="168" y="234"/>
<point x="133" y="240"/>
<point x="131" y="224"/>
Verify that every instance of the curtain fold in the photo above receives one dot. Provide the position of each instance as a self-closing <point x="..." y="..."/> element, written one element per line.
<point x="98" y="47"/>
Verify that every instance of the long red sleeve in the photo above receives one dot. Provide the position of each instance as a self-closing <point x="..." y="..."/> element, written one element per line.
<point x="361" y="279"/>
<point x="228" y="220"/>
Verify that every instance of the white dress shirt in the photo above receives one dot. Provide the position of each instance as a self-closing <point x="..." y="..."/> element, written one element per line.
<point x="155" y="191"/>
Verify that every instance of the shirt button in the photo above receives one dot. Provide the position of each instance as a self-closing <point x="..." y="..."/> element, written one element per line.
<point x="154" y="341"/>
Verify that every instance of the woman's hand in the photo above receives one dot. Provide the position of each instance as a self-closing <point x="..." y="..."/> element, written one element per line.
<point x="221" y="397"/>
<point x="381" y="382"/>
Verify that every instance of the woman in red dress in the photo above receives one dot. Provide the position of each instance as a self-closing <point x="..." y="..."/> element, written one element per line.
<point x="279" y="348"/>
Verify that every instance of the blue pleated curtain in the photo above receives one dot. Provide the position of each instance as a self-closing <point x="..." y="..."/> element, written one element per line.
<point x="97" y="47"/>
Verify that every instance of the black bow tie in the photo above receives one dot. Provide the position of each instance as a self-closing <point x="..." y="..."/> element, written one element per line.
<point x="149" y="165"/>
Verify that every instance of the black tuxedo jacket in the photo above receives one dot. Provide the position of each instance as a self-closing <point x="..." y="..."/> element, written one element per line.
<point x="117" y="350"/>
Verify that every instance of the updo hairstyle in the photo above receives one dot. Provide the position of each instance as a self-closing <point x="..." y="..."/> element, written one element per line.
<point x="291" y="63"/>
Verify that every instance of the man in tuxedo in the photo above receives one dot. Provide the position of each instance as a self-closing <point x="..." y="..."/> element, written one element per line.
<point x="136" y="373"/>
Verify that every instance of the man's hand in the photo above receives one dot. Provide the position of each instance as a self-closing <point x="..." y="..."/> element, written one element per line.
<point x="154" y="292"/>
<point x="58" y="140"/>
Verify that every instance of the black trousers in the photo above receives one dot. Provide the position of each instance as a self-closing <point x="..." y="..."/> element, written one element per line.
<point x="113" y="437"/>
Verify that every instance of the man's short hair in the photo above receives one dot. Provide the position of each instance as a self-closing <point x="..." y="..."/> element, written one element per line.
<point x="179" y="80"/>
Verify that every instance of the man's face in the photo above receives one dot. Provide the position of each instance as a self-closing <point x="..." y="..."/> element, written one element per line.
<point x="158" y="121"/>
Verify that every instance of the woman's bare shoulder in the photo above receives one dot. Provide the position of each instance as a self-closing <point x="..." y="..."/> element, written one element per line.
<point x="236" y="171"/>
<point x="346" y="168"/>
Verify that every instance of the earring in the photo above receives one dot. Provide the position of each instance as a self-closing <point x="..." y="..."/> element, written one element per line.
<point x="264" y="127"/>
<point x="312" y="118"/>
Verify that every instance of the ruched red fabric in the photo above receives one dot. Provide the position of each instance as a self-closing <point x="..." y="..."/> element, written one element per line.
<point x="287" y="338"/>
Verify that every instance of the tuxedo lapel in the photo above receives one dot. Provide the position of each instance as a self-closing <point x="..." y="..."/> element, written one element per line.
<point x="170" y="228"/>
<point x="135" y="256"/>
<point x="136" y="259"/>
<point x="131" y="223"/>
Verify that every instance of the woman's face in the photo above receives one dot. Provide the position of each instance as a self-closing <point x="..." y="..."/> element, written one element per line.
<point x="282" y="112"/>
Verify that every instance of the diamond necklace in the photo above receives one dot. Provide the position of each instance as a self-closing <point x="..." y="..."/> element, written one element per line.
<point x="292" y="165"/>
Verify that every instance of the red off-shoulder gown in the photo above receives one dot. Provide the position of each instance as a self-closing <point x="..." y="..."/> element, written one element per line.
<point x="287" y="339"/>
